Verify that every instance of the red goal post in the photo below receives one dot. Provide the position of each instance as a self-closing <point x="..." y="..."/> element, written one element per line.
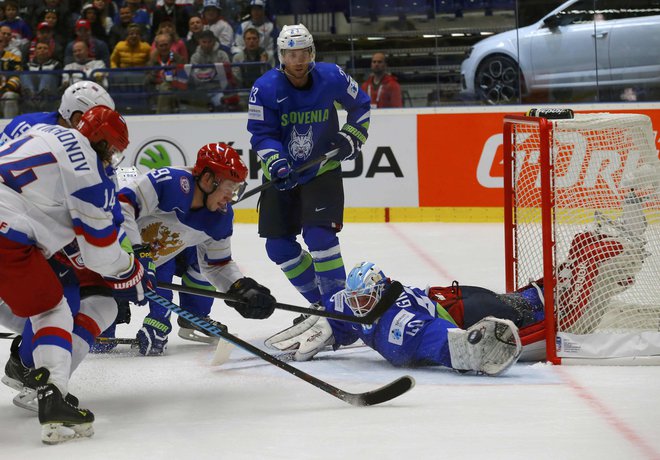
<point x="582" y="212"/>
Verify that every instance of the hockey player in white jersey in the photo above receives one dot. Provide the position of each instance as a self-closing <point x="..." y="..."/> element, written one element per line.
<point x="54" y="189"/>
<point x="175" y="208"/>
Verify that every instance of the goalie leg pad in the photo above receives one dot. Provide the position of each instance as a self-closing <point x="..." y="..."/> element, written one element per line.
<point x="306" y="338"/>
<point x="490" y="347"/>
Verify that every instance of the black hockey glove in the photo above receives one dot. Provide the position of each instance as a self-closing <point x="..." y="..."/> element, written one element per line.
<point x="348" y="142"/>
<point x="257" y="303"/>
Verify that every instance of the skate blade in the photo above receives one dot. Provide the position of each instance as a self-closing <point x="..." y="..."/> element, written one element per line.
<point x="56" y="433"/>
<point x="12" y="383"/>
<point x="196" y="336"/>
<point x="27" y="399"/>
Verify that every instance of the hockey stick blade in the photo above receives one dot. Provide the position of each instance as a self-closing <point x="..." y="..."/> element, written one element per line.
<point x="387" y="299"/>
<point x="385" y="393"/>
<point x="8" y="335"/>
<point x="116" y="340"/>
<point x="325" y="157"/>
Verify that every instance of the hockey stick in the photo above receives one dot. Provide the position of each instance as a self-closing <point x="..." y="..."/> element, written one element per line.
<point x="369" y="398"/>
<point x="376" y="312"/>
<point x="8" y="335"/>
<point x="302" y="168"/>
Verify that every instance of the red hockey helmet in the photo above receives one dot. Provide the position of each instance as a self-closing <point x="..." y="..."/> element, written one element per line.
<point x="101" y="123"/>
<point x="223" y="160"/>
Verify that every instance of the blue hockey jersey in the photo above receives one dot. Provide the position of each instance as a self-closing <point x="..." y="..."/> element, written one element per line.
<point x="408" y="334"/>
<point x="300" y="124"/>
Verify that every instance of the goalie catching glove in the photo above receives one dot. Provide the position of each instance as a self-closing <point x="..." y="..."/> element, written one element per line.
<point x="490" y="347"/>
<point x="252" y="299"/>
<point x="307" y="338"/>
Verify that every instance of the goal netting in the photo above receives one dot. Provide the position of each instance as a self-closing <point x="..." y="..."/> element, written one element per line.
<point x="582" y="212"/>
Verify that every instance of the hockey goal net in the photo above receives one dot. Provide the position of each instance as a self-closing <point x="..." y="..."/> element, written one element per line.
<point x="582" y="212"/>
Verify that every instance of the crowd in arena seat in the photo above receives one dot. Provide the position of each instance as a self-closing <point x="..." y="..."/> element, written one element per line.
<point x="173" y="54"/>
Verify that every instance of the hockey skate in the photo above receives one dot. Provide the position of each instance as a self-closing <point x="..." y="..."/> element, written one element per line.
<point x="15" y="371"/>
<point x="60" y="420"/>
<point x="489" y="347"/>
<point x="190" y="331"/>
<point x="16" y="377"/>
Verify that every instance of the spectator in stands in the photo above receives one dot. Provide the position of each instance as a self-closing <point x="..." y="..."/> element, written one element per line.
<point x="60" y="7"/>
<point x="107" y="13"/>
<point x="210" y="82"/>
<point x="140" y="15"/>
<point x="195" y="26"/>
<point x="132" y="52"/>
<point x="250" y="54"/>
<point x="176" y="14"/>
<point x="40" y="89"/>
<point x="259" y="22"/>
<point x="97" y="48"/>
<point x="195" y="8"/>
<point x="178" y="46"/>
<point x="381" y="86"/>
<point x="212" y="15"/>
<point x="85" y="67"/>
<point x="10" y="85"/>
<point x="45" y="34"/>
<point x="167" y="81"/>
<point x="59" y="29"/>
<point x="93" y="15"/>
<point x="20" y="29"/>
<point x="119" y="31"/>
<point x="10" y="42"/>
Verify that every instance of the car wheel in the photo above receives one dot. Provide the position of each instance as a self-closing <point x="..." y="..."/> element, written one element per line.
<point x="497" y="80"/>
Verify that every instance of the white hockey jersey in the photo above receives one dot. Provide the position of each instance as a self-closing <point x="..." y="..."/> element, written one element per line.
<point x="53" y="189"/>
<point x="156" y="208"/>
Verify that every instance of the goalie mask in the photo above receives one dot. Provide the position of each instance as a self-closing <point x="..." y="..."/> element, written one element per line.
<point x="364" y="287"/>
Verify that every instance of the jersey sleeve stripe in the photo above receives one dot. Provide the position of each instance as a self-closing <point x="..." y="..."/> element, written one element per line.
<point x="96" y="237"/>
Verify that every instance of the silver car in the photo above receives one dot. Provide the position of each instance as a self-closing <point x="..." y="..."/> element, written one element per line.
<point x="615" y="44"/>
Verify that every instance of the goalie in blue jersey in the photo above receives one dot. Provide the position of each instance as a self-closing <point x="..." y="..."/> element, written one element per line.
<point x="415" y="331"/>
<point x="293" y="121"/>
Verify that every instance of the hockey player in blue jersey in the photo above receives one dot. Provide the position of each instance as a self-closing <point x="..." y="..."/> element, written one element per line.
<point x="177" y="208"/>
<point x="413" y="332"/>
<point x="293" y="120"/>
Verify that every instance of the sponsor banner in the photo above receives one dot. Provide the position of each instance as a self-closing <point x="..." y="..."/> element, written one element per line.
<point x="460" y="156"/>
<point x="385" y="175"/>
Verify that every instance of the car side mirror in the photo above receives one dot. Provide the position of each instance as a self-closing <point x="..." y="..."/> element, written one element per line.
<point x="552" y="22"/>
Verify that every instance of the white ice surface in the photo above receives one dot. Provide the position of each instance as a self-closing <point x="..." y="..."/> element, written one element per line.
<point x="179" y="407"/>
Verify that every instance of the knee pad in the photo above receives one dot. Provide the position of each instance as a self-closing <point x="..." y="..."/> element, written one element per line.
<point x="320" y="238"/>
<point x="280" y="250"/>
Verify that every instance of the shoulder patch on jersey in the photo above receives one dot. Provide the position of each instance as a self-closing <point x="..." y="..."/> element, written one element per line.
<point x="255" y="112"/>
<point x="353" y="87"/>
<point x="185" y="185"/>
<point x="398" y="326"/>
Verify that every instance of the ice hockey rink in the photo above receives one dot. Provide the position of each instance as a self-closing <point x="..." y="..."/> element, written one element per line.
<point x="178" y="406"/>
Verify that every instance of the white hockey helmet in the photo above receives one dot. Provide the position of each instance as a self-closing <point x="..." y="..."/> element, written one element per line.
<point x="295" y="38"/>
<point x="82" y="96"/>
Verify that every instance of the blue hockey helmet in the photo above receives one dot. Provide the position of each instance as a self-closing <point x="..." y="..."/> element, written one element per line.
<point x="364" y="287"/>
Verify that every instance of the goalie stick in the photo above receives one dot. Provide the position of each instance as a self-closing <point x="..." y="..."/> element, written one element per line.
<point x="302" y="168"/>
<point x="369" y="398"/>
<point x="395" y="289"/>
